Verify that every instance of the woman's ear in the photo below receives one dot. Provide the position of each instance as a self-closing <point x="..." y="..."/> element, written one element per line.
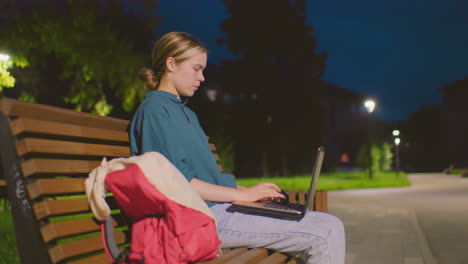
<point x="170" y="64"/>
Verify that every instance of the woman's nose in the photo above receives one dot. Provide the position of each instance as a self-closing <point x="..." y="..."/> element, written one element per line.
<point x="202" y="78"/>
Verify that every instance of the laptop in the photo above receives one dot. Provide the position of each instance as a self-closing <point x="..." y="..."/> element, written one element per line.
<point x="283" y="210"/>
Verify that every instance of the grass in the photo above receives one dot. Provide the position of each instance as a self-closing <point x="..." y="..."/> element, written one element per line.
<point x="334" y="181"/>
<point x="8" y="251"/>
<point x="327" y="181"/>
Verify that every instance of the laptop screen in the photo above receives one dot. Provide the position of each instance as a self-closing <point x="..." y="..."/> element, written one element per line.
<point x="315" y="176"/>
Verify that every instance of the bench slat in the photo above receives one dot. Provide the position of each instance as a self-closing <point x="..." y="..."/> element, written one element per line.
<point x="97" y="259"/>
<point x="321" y="201"/>
<point x="21" y="125"/>
<point x="34" y="166"/>
<point x="212" y="147"/>
<point x="292" y="196"/>
<point x="226" y="256"/>
<point x="47" y="146"/>
<point x="63" y="251"/>
<point x="11" y="107"/>
<point x="47" y="187"/>
<point x="50" y="208"/>
<point x="253" y="256"/>
<point x="276" y="258"/>
<point x="2" y="183"/>
<point x="52" y="231"/>
<point x="301" y="197"/>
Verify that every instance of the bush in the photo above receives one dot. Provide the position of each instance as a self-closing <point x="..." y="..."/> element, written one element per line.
<point x="381" y="154"/>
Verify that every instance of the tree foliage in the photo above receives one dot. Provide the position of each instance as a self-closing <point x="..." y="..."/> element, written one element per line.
<point x="83" y="53"/>
<point x="382" y="157"/>
<point x="277" y="114"/>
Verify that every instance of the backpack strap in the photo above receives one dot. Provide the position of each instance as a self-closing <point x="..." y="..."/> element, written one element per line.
<point x="111" y="248"/>
<point x="108" y="240"/>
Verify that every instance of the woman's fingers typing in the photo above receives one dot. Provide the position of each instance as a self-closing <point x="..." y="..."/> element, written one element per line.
<point x="261" y="191"/>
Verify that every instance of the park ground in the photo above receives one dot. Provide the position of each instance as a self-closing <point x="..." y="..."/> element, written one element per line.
<point x="424" y="223"/>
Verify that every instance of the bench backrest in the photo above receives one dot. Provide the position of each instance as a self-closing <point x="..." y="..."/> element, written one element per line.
<point x="47" y="152"/>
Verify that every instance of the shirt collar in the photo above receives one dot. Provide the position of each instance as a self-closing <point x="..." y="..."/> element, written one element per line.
<point x="166" y="95"/>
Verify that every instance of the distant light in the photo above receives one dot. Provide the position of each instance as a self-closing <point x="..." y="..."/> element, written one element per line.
<point x="370" y="105"/>
<point x="396" y="132"/>
<point x="211" y="93"/>
<point x="4" y="57"/>
<point x="397" y="141"/>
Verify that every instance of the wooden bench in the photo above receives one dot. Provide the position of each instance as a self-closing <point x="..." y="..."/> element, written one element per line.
<point x="46" y="153"/>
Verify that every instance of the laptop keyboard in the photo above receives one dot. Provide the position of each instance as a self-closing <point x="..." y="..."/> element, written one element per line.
<point x="288" y="206"/>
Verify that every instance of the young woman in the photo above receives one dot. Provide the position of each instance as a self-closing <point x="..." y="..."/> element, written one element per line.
<point x="163" y="123"/>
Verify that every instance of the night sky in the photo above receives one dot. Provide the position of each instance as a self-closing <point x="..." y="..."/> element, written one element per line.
<point x="398" y="52"/>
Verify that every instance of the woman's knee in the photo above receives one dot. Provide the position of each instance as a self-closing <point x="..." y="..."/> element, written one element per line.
<point x="327" y="222"/>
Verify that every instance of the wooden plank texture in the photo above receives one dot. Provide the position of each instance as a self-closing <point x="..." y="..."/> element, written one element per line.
<point x="47" y="146"/>
<point x="37" y="165"/>
<point x="63" y="251"/>
<point x="11" y="107"/>
<point x="48" y="187"/>
<point x="55" y="230"/>
<point x="321" y="201"/>
<point x="253" y="256"/>
<point x="292" y="196"/>
<point x="275" y="258"/>
<point x="97" y="259"/>
<point x="226" y="256"/>
<point x="21" y="125"/>
<point x="301" y="197"/>
<point x="50" y="208"/>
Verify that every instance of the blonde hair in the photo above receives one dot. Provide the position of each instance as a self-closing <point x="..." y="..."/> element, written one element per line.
<point x="179" y="45"/>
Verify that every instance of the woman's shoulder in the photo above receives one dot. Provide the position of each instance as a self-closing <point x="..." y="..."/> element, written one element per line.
<point x="152" y="106"/>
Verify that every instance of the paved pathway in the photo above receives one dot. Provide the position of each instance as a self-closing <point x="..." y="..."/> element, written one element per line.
<point x="425" y="223"/>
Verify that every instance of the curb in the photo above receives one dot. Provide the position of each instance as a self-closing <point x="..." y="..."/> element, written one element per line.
<point x="423" y="245"/>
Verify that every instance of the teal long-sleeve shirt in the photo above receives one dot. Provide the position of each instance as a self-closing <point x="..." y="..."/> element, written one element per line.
<point x="163" y="123"/>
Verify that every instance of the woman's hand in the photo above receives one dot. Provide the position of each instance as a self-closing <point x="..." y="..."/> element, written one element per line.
<point x="217" y="193"/>
<point x="260" y="191"/>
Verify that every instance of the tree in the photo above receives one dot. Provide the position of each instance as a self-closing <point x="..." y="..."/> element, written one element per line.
<point x="81" y="54"/>
<point x="382" y="157"/>
<point x="277" y="111"/>
<point x="425" y="137"/>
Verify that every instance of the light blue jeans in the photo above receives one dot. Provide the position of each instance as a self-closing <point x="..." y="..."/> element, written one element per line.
<point x="317" y="238"/>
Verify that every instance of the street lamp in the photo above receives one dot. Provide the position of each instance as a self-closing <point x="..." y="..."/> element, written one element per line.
<point x="397" y="152"/>
<point x="370" y="106"/>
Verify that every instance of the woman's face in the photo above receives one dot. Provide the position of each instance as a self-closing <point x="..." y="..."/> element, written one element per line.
<point x="188" y="75"/>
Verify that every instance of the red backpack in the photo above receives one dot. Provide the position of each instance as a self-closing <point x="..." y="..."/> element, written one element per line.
<point x="162" y="230"/>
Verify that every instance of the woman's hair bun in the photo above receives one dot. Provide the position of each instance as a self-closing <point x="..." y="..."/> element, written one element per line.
<point x="148" y="77"/>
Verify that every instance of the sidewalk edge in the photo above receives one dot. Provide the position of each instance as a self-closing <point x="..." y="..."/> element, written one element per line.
<point x="424" y="246"/>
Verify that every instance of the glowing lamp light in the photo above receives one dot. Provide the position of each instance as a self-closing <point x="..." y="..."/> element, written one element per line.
<point x="4" y="57"/>
<point x="369" y="105"/>
<point x="396" y="132"/>
<point x="397" y="141"/>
